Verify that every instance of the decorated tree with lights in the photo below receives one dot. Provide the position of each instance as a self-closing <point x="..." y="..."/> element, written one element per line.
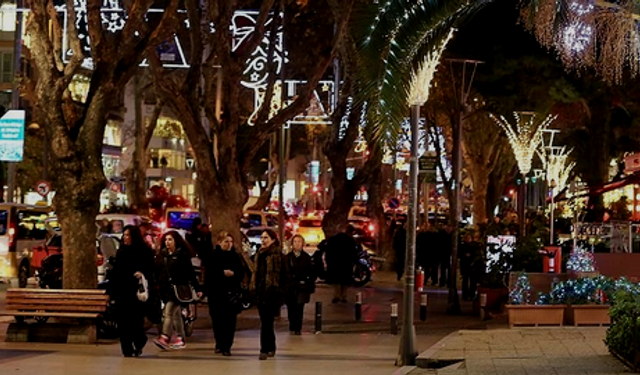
<point x="120" y="34"/>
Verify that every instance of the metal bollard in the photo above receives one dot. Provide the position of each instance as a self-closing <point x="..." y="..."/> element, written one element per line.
<point x="359" y="306"/>
<point x="318" y="317"/>
<point x="420" y="280"/>
<point x="423" y="307"/>
<point x="483" y="306"/>
<point x="394" y="318"/>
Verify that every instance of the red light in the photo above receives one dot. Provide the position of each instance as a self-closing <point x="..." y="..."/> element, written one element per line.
<point x="315" y="189"/>
<point x="371" y="227"/>
<point x="511" y="192"/>
<point x="100" y="260"/>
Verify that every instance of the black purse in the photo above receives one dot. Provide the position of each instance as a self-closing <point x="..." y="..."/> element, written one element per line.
<point x="185" y="293"/>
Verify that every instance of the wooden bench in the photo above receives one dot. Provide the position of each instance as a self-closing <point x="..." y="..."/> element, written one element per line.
<point x="41" y="304"/>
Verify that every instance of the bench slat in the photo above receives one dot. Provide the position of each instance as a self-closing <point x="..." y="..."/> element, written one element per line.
<point x="16" y="301"/>
<point x="57" y="291"/>
<point x="50" y="314"/>
<point x="59" y="296"/>
<point x="32" y="307"/>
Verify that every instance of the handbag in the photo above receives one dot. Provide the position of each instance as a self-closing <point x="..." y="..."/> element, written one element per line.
<point x="185" y="293"/>
<point x="143" y="289"/>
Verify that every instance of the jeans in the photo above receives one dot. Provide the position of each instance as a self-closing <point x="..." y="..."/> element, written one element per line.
<point x="295" y="312"/>
<point x="223" y="319"/>
<point x="172" y="319"/>
<point x="267" y="331"/>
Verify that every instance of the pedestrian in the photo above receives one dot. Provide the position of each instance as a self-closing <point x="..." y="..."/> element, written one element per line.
<point x="134" y="261"/>
<point x="444" y="254"/>
<point x="223" y="274"/>
<point x="269" y="283"/>
<point x="341" y="255"/>
<point x="302" y="283"/>
<point x="400" y="248"/>
<point x="175" y="274"/>
<point x="465" y="255"/>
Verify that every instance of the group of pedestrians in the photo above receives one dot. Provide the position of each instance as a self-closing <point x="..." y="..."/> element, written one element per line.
<point x="271" y="278"/>
<point x="433" y="255"/>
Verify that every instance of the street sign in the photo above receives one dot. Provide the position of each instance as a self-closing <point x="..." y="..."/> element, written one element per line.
<point x="190" y="162"/>
<point x="428" y="164"/>
<point x="12" y="135"/>
<point x="43" y="188"/>
<point x="394" y="203"/>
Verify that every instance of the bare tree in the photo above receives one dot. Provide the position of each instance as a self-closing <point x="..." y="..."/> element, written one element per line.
<point x="74" y="128"/>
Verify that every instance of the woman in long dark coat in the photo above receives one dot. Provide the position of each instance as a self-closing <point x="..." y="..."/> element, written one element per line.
<point x="302" y="283"/>
<point x="223" y="274"/>
<point x="134" y="259"/>
<point x="269" y="283"/>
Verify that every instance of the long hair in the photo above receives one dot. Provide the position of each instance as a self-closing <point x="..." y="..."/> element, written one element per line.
<point x="177" y="238"/>
<point x="272" y="234"/>
<point x="137" y="241"/>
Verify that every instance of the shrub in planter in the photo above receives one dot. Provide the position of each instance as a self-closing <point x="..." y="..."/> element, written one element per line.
<point x="622" y="337"/>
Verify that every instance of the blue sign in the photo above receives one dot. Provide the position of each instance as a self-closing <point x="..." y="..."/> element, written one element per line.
<point x="394" y="203"/>
<point x="12" y="135"/>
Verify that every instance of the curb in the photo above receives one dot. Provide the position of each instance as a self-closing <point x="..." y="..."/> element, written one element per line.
<point x="425" y="360"/>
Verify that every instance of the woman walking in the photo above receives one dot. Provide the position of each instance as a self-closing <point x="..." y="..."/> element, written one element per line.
<point x="223" y="273"/>
<point x="302" y="283"/>
<point x="269" y="283"/>
<point x="134" y="261"/>
<point x="175" y="274"/>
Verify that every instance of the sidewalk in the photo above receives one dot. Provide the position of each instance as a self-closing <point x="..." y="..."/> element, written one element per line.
<point x="561" y="350"/>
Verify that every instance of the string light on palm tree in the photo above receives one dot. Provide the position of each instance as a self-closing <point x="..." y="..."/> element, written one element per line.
<point x="524" y="139"/>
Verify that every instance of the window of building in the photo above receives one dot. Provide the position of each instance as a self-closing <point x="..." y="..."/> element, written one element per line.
<point x="8" y="17"/>
<point x="113" y="134"/>
<point x="7" y="67"/>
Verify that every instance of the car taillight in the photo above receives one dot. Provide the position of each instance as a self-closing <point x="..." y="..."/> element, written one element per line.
<point x="12" y="236"/>
<point x="100" y="260"/>
<point x="372" y="228"/>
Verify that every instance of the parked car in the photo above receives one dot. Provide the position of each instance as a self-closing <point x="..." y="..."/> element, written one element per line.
<point x="310" y="228"/>
<point x="254" y="218"/>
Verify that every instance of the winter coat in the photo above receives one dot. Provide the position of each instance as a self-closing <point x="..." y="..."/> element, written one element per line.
<point x="341" y="255"/>
<point x="271" y="280"/>
<point x="174" y="269"/>
<point x="302" y="278"/>
<point x="129" y="260"/>
<point x="217" y="286"/>
<point x="400" y="245"/>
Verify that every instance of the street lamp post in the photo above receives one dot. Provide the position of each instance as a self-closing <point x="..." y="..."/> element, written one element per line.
<point x="417" y="96"/>
<point x="552" y="185"/>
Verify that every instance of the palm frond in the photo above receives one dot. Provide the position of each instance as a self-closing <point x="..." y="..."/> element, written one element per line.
<point x="386" y="59"/>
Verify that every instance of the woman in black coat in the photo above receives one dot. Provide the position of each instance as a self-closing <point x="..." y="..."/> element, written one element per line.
<point x="269" y="283"/>
<point x="134" y="259"/>
<point x="173" y="268"/>
<point x="302" y="283"/>
<point x="223" y="273"/>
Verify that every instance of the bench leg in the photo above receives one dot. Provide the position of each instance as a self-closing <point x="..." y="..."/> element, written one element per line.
<point x="82" y="334"/>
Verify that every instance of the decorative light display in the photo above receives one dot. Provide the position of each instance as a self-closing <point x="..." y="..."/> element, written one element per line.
<point x="422" y="77"/>
<point x="555" y="163"/>
<point x="521" y="292"/>
<point x="581" y="260"/>
<point x="525" y="138"/>
<point x="588" y="33"/>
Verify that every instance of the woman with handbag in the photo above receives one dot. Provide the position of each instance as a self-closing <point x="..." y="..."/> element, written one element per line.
<point x="133" y="266"/>
<point x="223" y="273"/>
<point x="178" y="285"/>
<point x="302" y="283"/>
<point x="269" y="283"/>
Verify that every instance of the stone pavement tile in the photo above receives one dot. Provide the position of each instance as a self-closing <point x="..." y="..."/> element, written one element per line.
<point x="471" y="353"/>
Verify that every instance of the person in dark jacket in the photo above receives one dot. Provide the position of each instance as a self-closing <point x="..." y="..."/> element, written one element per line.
<point x="302" y="283"/>
<point x="134" y="260"/>
<point x="341" y="255"/>
<point x="174" y="268"/>
<point x="223" y="273"/>
<point x="444" y="254"/>
<point x="466" y="254"/>
<point x="269" y="283"/>
<point x="400" y="248"/>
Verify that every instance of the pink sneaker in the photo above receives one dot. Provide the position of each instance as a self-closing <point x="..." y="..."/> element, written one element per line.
<point x="162" y="342"/>
<point x="178" y="344"/>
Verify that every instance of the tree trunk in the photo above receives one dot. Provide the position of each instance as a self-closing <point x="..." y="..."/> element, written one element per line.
<point x="77" y="203"/>
<point x="480" y="187"/>
<point x="136" y="173"/>
<point x="378" y="219"/>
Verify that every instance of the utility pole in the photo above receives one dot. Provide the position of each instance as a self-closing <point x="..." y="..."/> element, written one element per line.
<point x="15" y="91"/>
<point x="453" y="304"/>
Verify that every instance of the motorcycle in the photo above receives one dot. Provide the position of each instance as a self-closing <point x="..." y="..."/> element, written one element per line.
<point x="362" y="270"/>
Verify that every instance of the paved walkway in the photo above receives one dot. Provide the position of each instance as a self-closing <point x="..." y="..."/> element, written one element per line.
<point x="561" y="350"/>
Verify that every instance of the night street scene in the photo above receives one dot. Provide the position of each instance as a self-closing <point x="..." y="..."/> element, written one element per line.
<point x="397" y="187"/>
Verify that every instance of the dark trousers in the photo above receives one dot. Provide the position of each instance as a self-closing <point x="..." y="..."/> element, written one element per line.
<point x="223" y="320"/>
<point x="469" y="283"/>
<point x="444" y="271"/>
<point x="130" y="319"/>
<point x="267" y="314"/>
<point x="295" y="312"/>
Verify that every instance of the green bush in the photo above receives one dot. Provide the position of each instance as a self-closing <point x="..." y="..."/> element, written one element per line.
<point x="622" y="334"/>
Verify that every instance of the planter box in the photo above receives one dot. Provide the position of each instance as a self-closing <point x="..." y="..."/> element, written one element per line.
<point x="579" y="315"/>
<point x="536" y="315"/>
